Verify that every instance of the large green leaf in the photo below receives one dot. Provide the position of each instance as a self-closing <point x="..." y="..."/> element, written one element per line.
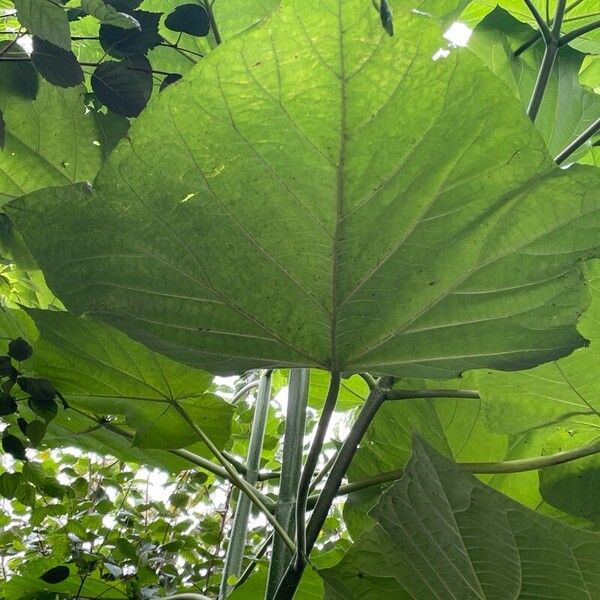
<point x="443" y="534"/>
<point x="319" y="193"/>
<point x="567" y="108"/>
<point x="50" y="140"/>
<point x="551" y="408"/>
<point x="99" y="370"/>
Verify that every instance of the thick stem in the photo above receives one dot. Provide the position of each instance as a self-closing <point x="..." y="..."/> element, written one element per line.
<point x="542" y="79"/>
<point x="578" y="142"/>
<point x="544" y="28"/>
<point x="293" y="445"/>
<point x="376" y="398"/>
<point x="311" y="464"/>
<point x="239" y="529"/>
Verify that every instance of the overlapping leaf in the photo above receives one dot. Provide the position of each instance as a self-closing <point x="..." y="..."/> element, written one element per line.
<point x="102" y="372"/>
<point x="421" y="230"/>
<point x="441" y="534"/>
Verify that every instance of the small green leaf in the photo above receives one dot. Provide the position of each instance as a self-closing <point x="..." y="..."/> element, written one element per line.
<point x="34" y="472"/>
<point x="12" y="445"/>
<point x="8" y="405"/>
<point x="40" y="389"/>
<point x="179" y="499"/>
<point x="45" y="19"/>
<point x="25" y="494"/>
<point x="9" y="482"/>
<point x="56" y="574"/>
<point x="189" y="18"/>
<point x="53" y="488"/>
<point x="20" y="349"/>
<point x="123" y="43"/>
<point x="124" y="87"/>
<point x="57" y="66"/>
<point x="35" y="431"/>
<point x="44" y="408"/>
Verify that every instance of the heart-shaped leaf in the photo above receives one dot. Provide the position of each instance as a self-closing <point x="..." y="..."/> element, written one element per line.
<point x="296" y="217"/>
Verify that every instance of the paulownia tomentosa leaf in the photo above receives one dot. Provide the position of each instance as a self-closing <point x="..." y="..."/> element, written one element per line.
<point x="441" y="533"/>
<point x="102" y="372"/>
<point x="316" y="192"/>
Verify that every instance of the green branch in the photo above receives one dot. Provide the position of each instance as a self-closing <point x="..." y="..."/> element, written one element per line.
<point x="416" y="394"/>
<point x="235" y="478"/>
<point x="578" y="142"/>
<point x="481" y="468"/>
<point x="213" y="23"/>
<point x="376" y="398"/>
<point x="541" y="23"/>
<point x="311" y="464"/>
<point x="569" y="37"/>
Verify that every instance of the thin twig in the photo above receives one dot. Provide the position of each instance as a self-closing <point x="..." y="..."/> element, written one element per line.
<point x="235" y="478"/>
<point x="578" y="142"/>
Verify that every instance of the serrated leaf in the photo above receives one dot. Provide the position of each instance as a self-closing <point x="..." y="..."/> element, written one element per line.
<point x="106" y="14"/>
<point x="34" y="472"/>
<point x="57" y="66"/>
<point x="124" y="87"/>
<point x="46" y="20"/>
<point x="20" y="349"/>
<point x="124" y="43"/>
<point x="396" y="216"/>
<point x="35" y="431"/>
<point x="9" y="482"/>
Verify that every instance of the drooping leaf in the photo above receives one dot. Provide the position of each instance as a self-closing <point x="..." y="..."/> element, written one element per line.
<point x="8" y="405"/>
<point x="46" y="20"/>
<point x="497" y="37"/>
<point x="124" y="87"/>
<point x="417" y="215"/>
<point x="101" y="372"/>
<point x="189" y="18"/>
<point x="35" y="431"/>
<point x="441" y="533"/>
<point x="57" y="66"/>
<point x="20" y="349"/>
<point x="108" y="15"/>
<point x="56" y="574"/>
<point x="170" y="79"/>
<point x="123" y="43"/>
<point x="12" y="445"/>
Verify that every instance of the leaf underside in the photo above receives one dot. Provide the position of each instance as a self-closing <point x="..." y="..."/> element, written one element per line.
<point x="318" y="193"/>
